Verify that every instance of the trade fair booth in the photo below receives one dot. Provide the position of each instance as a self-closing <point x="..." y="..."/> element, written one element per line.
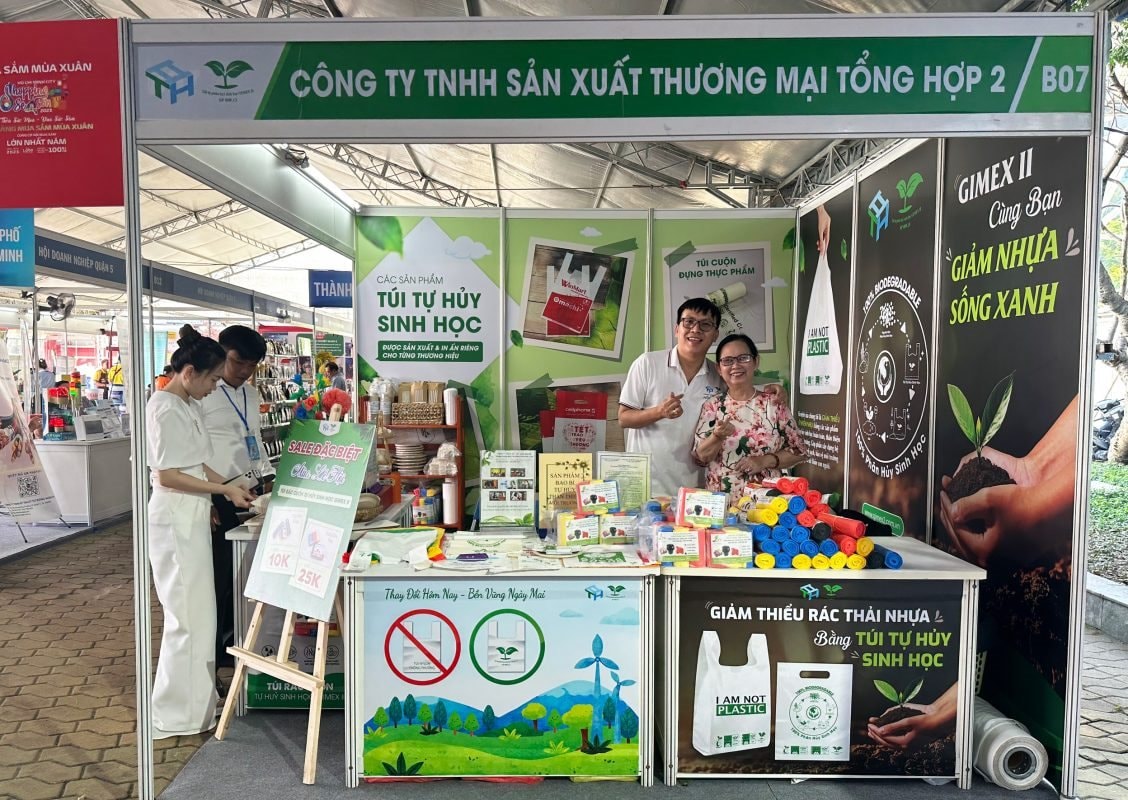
<point x="976" y="235"/>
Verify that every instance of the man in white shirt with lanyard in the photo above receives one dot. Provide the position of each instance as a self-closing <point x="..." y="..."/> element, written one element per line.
<point x="231" y="414"/>
<point x="663" y="394"/>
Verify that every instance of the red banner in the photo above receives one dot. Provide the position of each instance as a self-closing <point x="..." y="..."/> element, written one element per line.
<point x="60" y="114"/>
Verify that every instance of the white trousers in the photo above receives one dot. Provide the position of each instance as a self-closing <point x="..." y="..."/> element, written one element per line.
<point x="184" y="696"/>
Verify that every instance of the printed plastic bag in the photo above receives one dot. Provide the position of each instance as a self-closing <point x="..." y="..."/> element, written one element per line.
<point x="731" y="705"/>
<point x="813" y="711"/>
<point x="820" y="369"/>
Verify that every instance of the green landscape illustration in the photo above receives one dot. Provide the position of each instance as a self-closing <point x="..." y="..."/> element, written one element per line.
<point x="581" y="727"/>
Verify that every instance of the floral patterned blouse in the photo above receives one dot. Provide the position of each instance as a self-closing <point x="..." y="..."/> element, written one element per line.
<point x="763" y="425"/>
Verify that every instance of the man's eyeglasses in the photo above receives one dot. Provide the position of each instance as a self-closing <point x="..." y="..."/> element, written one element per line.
<point x="702" y="325"/>
<point x="729" y="361"/>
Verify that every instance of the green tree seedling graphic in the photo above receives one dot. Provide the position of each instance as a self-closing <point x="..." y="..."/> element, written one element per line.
<point x="454" y="723"/>
<point x="979" y="430"/>
<point x="628" y="724"/>
<point x="579" y="716"/>
<point x="471" y="724"/>
<point x="609" y="713"/>
<point x="440" y="714"/>
<point x="425" y="717"/>
<point x="395" y="712"/>
<point x="890" y="693"/>
<point x="506" y="653"/>
<point x="617" y="724"/>
<point x="596" y="660"/>
<point x="410" y="709"/>
<point x="489" y="719"/>
<point x="381" y="718"/>
<point x="907" y="189"/>
<point x="232" y="70"/>
<point x="534" y="712"/>
<point x="555" y="720"/>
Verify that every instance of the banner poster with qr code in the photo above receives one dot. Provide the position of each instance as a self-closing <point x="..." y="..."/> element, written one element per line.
<point x="25" y="492"/>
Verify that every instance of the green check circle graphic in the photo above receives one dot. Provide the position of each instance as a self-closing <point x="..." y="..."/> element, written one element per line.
<point x="474" y="639"/>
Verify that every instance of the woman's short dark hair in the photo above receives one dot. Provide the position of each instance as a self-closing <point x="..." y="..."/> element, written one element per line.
<point x="332" y="367"/>
<point x="737" y="337"/>
<point x="202" y="353"/>
<point x="247" y="343"/>
<point x="43" y="363"/>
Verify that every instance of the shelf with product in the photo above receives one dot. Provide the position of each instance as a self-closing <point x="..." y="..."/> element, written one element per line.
<point x="409" y="448"/>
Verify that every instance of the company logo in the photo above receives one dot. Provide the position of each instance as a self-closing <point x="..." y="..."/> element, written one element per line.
<point x="616" y="591"/>
<point x="170" y="81"/>
<point x="231" y="70"/>
<point x="594" y="592"/>
<point x="879" y="215"/>
<point x="907" y="189"/>
<point x="832" y="589"/>
<point x="809" y="592"/>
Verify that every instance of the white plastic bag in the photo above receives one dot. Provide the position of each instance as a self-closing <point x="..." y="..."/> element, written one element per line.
<point x="820" y="369"/>
<point x="731" y="705"/>
<point x="813" y="711"/>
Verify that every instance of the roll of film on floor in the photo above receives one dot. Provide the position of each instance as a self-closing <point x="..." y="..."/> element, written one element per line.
<point x="1005" y="752"/>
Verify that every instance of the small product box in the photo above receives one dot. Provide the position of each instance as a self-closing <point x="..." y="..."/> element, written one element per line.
<point x="577" y="530"/>
<point x="597" y="497"/>
<point x="681" y="546"/>
<point x="618" y="529"/>
<point x="730" y="547"/>
<point x="698" y="507"/>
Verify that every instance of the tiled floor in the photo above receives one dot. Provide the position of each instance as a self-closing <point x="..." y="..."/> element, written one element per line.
<point x="67" y="708"/>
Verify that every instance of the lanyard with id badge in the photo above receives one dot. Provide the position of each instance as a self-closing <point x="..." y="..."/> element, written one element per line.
<point x="250" y="441"/>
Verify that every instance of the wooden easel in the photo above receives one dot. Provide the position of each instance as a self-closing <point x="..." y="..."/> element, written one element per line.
<point x="281" y="668"/>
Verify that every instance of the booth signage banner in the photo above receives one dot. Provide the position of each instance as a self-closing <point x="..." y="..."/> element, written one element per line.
<point x="330" y="288"/>
<point x="25" y="491"/>
<point x="331" y="343"/>
<point x="828" y="665"/>
<point x="1014" y="248"/>
<point x="82" y="262"/>
<point x="17" y="247"/>
<point x="310" y="517"/>
<point x="822" y="347"/>
<point x="210" y="293"/>
<point x="525" y="73"/>
<point x="892" y="333"/>
<point x="501" y="677"/>
<point x="60" y="114"/>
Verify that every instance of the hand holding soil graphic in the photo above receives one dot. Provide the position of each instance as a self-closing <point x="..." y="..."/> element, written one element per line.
<point x="1029" y="517"/>
<point x="913" y="724"/>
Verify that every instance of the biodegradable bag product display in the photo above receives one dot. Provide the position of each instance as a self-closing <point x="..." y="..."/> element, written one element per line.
<point x="813" y="711"/>
<point x="731" y="705"/>
<point x="571" y="295"/>
<point x="820" y="370"/>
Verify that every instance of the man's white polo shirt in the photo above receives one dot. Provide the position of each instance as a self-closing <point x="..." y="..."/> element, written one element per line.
<point x="651" y="379"/>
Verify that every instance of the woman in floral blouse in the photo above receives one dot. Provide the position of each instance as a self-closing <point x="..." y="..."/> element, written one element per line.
<point x="744" y="434"/>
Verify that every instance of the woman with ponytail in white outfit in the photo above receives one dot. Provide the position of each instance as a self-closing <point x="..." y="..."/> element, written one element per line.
<point x="184" y="697"/>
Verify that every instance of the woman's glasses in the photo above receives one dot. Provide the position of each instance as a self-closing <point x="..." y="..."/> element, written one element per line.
<point x="702" y="325"/>
<point x="730" y="361"/>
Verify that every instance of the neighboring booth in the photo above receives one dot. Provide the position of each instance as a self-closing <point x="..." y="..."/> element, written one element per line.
<point x="533" y="316"/>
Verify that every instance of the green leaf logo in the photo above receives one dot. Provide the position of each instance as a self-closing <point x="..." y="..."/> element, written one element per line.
<point x="383" y="232"/>
<point x="232" y="70"/>
<point x="845" y="250"/>
<point x="907" y="189"/>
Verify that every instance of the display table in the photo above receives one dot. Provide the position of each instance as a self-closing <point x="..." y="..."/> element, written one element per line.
<point x="91" y="479"/>
<point x="811" y="665"/>
<point x="509" y="674"/>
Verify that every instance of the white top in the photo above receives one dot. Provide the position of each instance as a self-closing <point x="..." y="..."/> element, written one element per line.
<point x="222" y="409"/>
<point x="651" y="379"/>
<point x="176" y="437"/>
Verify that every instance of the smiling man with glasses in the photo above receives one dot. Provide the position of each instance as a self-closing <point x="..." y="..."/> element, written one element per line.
<point x="663" y="394"/>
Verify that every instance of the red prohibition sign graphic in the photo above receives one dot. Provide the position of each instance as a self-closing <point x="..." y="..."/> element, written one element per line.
<point x="444" y="670"/>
